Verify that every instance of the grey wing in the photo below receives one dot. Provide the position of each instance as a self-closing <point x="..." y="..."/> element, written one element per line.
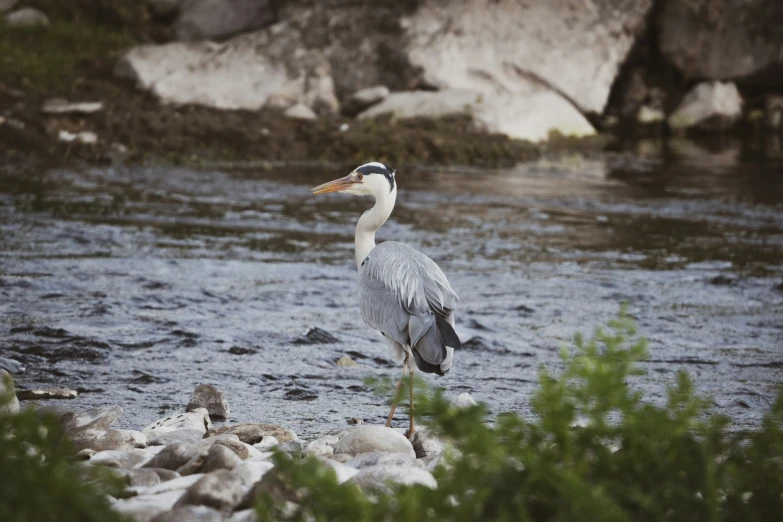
<point x="406" y="296"/>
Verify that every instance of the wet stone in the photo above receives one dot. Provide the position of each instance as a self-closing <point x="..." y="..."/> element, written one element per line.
<point x="222" y="490"/>
<point x="210" y="398"/>
<point x="197" y="419"/>
<point x="316" y="336"/>
<point x="137" y="478"/>
<point x="367" y="438"/>
<point x="176" y="455"/>
<point x="119" y="459"/>
<point x="253" y="433"/>
<point x="146" y="507"/>
<point x="27" y="395"/>
<point x="7" y="390"/>
<point x="171" y="437"/>
<point x="220" y="457"/>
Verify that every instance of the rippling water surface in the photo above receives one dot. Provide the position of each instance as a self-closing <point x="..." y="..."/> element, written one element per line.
<point x="134" y="284"/>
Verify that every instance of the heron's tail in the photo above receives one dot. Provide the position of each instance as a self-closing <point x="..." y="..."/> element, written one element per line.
<point x="433" y="341"/>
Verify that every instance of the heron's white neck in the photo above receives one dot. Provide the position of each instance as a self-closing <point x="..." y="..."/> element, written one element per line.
<point x="372" y="221"/>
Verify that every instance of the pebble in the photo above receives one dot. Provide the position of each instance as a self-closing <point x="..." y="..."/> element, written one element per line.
<point x="210" y="398"/>
<point x="346" y="362"/>
<point x="300" y="111"/>
<point x="139" y="478"/>
<point x="62" y="106"/>
<point x="253" y="433"/>
<point x="197" y="419"/>
<point x="84" y="137"/>
<point x="366" y="438"/>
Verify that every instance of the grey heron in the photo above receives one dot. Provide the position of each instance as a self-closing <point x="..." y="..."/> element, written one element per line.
<point x="402" y="293"/>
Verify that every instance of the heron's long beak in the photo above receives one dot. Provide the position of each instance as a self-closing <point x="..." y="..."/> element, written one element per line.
<point x="337" y="185"/>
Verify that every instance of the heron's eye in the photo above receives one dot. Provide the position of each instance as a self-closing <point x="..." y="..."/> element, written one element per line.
<point x="359" y="176"/>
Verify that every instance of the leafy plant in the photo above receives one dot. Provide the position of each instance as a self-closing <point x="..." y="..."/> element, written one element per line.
<point x="39" y="482"/>
<point x="595" y="452"/>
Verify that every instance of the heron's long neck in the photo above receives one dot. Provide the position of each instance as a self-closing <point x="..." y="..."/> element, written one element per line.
<point x="370" y="222"/>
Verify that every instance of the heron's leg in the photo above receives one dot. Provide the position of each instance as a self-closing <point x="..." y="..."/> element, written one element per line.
<point x="412" y="429"/>
<point x="397" y="392"/>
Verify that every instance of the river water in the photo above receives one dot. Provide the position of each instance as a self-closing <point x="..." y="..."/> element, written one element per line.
<point x="134" y="284"/>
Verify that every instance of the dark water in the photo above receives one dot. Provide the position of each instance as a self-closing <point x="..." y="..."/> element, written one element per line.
<point x="134" y="284"/>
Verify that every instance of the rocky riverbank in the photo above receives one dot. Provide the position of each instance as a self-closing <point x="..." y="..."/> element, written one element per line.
<point x="424" y="81"/>
<point x="184" y="467"/>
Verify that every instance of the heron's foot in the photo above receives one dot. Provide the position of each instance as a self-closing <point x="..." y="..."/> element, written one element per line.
<point x="409" y="434"/>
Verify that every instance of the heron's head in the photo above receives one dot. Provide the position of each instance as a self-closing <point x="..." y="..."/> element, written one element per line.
<point x="371" y="179"/>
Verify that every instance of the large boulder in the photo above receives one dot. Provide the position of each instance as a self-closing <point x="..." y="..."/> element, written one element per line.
<point x="708" y="102"/>
<point x="368" y="438"/>
<point x="215" y="19"/>
<point x="532" y="116"/>
<point x="270" y="67"/>
<point x="721" y="39"/>
<point x="195" y="420"/>
<point x="496" y="47"/>
<point x="253" y="433"/>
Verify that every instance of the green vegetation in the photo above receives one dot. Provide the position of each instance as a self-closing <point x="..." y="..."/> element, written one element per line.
<point x="629" y="461"/>
<point x="84" y="37"/>
<point x="39" y="482"/>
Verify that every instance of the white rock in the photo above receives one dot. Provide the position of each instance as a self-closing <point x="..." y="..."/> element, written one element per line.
<point x="530" y="116"/>
<point x="379" y="477"/>
<point x="300" y="111"/>
<point x="145" y="507"/>
<point x="177" y="484"/>
<point x="84" y="137"/>
<point x="26" y="17"/>
<point x="170" y="437"/>
<point x="210" y="398"/>
<point x="323" y="447"/>
<point x="126" y="459"/>
<point x="62" y="106"/>
<point x="367" y="438"/>
<point x="364" y="98"/>
<point x="251" y="471"/>
<point x="242" y="73"/>
<point x="464" y="400"/>
<point x="138" y="438"/>
<point x="245" y="515"/>
<point x="366" y="460"/>
<point x="344" y="473"/>
<point x="499" y="47"/>
<point x="648" y="115"/>
<point x="197" y="419"/>
<point x="8" y="394"/>
<point x="707" y="100"/>
<point x="266" y="444"/>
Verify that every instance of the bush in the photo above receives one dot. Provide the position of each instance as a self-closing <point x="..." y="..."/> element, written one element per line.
<point x="37" y="480"/>
<point x="595" y="452"/>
